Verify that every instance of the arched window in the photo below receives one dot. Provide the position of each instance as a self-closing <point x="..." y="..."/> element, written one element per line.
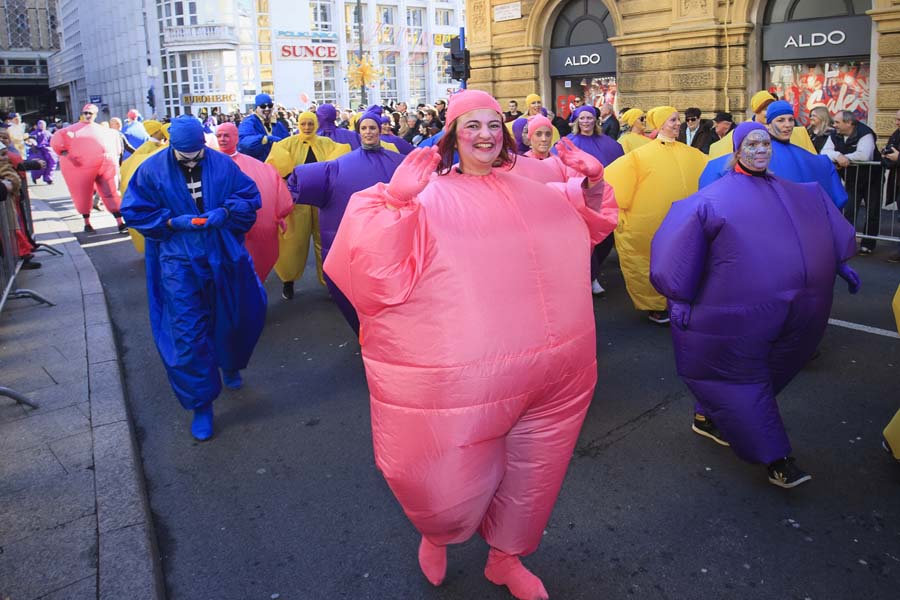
<point x="582" y="22"/>
<point x="782" y="11"/>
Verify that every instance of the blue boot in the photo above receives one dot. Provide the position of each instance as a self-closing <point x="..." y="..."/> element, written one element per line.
<point x="232" y="379"/>
<point x="202" y="425"/>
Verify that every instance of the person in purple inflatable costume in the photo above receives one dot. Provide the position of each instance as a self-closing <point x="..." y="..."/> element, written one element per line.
<point x="327" y="115"/>
<point x="748" y="265"/>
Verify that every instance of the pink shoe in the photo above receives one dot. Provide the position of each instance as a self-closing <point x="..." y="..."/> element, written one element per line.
<point x="433" y="561"/>
<point x="508" y="570"/>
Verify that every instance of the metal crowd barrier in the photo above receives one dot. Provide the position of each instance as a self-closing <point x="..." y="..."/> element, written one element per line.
<point x="10" y="263"/>
<point x="873" y="193"/>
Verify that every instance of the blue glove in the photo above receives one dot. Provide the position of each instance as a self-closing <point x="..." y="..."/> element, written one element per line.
<point x="215" y="218"/>
<point x="680" y="314"/>
<point x="851" y="277"/>
<point x="182" y="222"/>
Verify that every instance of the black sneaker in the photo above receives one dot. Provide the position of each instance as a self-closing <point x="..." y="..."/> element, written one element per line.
<point x="123" y="228"/>
<point x="287" y="290"/>
<point x="30" y="265"/>
<point x="705" y="427"/>
<point x="659" y="316"/>
<point x="89" y="229"/>
<point x="784" y="473"/>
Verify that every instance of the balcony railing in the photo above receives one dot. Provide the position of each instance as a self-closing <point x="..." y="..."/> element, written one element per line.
<point x="200" y="35"/>
<point x="23" y="71"/>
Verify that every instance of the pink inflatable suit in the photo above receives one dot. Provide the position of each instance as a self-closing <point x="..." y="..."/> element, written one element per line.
<point x="262" y="239"/>
<point x="477" y="335"/>
<point x="89" y="157"/>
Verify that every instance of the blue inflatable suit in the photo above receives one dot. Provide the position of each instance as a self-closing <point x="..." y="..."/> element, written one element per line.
<point x="329" y="185"/>
<point x="748" y="265"/>
<point x="792" y="163"/>
<point x="253" y="139"/>
<point x="207" y="307"/>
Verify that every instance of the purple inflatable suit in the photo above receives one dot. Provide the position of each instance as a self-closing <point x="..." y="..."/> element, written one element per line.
<point x="41" y="150"/>
<point x="327" y="115"/>
<point x="748" y="265"/>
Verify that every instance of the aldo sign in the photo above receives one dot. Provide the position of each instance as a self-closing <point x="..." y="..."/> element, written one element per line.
<point x="593" y="59"/>
<point x="817" y="38"/>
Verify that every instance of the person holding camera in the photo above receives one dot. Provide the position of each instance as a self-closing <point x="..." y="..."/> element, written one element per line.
<point x="890" y="156"/>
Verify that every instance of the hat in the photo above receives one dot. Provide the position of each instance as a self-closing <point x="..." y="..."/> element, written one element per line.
<point x="90" y="107"/>
<point x="742" y="130"/>
<point x="723" y="116"/>
<point x="151" y="126"/>
<point x="186" y="134"/>
<point x="133" y="115"/>
<point x="466" y="100"/>
<point x="657" y="116"/>
<point x="581" y="109"/>
<point x="535" y="123"/>
<point x="692" y="112"/>
<point x="232" y="130"/>
<point x="371" y="115"/>
<point x="263" y="99"/>
<point x="760" y="100"/>
<point x="532" y="98"/>
<point x="777" y="109"/>
<point x="326" y="113"/>
<point x="630" y="116"/>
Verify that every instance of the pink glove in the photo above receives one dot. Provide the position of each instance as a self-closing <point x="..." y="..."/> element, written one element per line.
<point x="579" y="160"/>
<point x="413" y="174"/>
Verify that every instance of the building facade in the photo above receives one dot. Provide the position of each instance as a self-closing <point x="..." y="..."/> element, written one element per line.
<point x="712" y="54"/>
<point x="108" y="56"/>
<point x="27" y="39"/>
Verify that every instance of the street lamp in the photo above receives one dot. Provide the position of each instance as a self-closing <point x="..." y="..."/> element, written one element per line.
<point x="362" y="85"/>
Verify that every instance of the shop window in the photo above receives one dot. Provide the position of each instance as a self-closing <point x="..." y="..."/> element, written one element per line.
<point x="837" y="85"/>
<point x="582" y="22"/>
<point x="782" y="11"/>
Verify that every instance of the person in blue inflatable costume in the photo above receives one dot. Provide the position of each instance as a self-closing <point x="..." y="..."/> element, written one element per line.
<point x="789" y="161"/>
<point x="257" y="132"/>
<point x="748" y="265"/>
<point x="194" y="205"/>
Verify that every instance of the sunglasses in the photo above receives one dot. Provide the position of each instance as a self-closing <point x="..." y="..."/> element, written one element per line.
<point x="87" y="112"/>
<point x="691" y="119"/>
<point x="269" y="105"/>
<point x="642" y="119"/>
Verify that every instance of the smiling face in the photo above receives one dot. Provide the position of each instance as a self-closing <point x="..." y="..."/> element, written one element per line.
<point x="541" y="140"/>
<point x="586" y="123"/>
<point x="670" y="127"/>
<point x="756" y="150"/>
<point x="782" y="127"/>
<point x="479" y="139"/>
<point x="370" y="132"/>
<point x="535" y="108"/>
<point x="841" y="125"/>
<point x="264" y="111"/>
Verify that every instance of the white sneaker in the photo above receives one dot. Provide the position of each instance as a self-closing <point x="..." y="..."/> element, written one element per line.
<point x="596" y="288"/>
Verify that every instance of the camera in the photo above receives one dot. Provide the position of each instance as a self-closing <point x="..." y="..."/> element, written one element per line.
<point x="887" y="150"/>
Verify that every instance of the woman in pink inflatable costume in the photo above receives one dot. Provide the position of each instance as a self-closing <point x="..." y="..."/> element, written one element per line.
<point x="477" y="334"/>
<point x="262" y="239"/>
<point x="89" y="158"/>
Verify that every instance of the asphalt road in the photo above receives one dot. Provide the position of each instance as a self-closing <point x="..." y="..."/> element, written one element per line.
<point x="286" y="499"/>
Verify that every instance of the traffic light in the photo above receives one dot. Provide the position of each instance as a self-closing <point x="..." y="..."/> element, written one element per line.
<point x="151" y="99"/>
<point x="458" y="58"/>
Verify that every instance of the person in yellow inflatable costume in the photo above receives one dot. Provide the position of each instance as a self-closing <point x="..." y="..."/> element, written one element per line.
<point x="633" y="121"/>
<point x="293" y="243"/>
<point x="159" y="139"/>
<point x="647" y="181"/>
<point x="891" y="434"/>
<point x="758" y="104"/>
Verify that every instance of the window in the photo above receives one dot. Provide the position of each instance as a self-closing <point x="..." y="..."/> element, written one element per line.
<point x="351" y="18"/>
<point x="388" y="84"/>
<point x="17" y="24"/>
<point x="320" y="15"/>
<point x="415" y="17"/>
<point x="418" y="76"/>
<point x="325" y="77"/>
<point x="838" y="85"/>
<point x="441" y="64"/>
<point x="582" y="22"/>
<point x="443" y="17"/>
<point x="782" y="11"/>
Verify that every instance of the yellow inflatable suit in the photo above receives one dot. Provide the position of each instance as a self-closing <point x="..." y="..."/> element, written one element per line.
<point x="632" y="140"/>
<point x="892" y="431"/>
<point x="159" y="137"/>
<point x="303" y="222"/>
<point x="647" y="181"/>
<point x="758" y="104"/>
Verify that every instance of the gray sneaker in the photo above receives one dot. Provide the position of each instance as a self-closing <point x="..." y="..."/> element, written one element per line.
<point x="784" y="473"/>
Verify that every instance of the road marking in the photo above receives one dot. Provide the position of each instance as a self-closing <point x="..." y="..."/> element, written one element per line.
<point x="126" y="238"/>
<point x="865" y="328"/>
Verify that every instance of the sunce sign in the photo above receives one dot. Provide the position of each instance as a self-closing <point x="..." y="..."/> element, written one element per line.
<point x="308" y="51"/>
<point x="817" y="38"/>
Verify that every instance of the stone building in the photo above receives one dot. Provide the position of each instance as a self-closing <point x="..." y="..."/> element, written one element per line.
<point x="712" y="54"/>
<point x="29" y="36"/>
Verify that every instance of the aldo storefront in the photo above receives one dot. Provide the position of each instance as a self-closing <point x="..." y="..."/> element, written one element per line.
<point x="817" y="52"/>
<point x="581" y="59"/>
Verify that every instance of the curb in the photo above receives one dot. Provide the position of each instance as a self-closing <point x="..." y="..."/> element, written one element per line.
<point x="128" y="561"/>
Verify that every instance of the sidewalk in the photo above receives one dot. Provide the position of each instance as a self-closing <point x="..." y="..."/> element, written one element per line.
<point x="74" y="517"/>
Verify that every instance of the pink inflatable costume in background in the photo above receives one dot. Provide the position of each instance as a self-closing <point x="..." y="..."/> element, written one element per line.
<point x="89" y="157"/>
<point x="262" y="239"/>
<point x="477" y="334"/>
